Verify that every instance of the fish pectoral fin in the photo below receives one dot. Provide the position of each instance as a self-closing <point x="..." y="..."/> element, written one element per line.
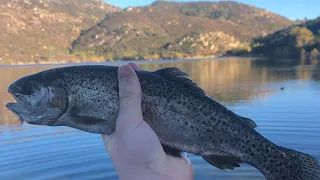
<point x="250" y="122"/>
<point x="223" y="162"/>
<point x="83" y="120"/>
<point x="87" y="124"/>
<point x="171" y="151"/>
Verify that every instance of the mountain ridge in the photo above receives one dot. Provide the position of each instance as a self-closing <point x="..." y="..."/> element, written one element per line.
<point x="55" y="31"/>
<point x="122" y="35"/>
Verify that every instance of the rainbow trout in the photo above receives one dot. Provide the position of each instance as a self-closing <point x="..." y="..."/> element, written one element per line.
<point x="182" y="115"/>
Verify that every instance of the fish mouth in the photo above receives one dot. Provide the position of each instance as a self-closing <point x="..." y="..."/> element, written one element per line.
<point x="20" y="107"/>
<point x="12" y="89"/>
<point x="15" y="88"/>
<point x="19" y="98"/>
<point x="24" y="114"/>
<point x="16" y="109"/>
<point x="21" y="90"/>
<point x="31" y="106"/>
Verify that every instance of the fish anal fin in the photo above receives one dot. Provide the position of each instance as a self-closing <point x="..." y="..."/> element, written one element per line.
<point x="223" y="162"/>
<point x="248" y="121"/>
<point x="178" y="76"/>
<point x="171" y="151"/>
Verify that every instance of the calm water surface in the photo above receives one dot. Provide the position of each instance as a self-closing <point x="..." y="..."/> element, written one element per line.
<point x="284" y="100"/>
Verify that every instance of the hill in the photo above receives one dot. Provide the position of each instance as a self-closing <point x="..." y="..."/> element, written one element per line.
<point x="176" y="30"/>
<point x="298" y="41"/>
<point x="42" y="30"/>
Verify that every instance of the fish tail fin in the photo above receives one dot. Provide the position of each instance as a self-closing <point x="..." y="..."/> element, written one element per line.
<point x="287" y="164"/>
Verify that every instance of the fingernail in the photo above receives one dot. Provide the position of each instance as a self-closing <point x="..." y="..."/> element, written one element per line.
<point x="125" y="71"/>
<point x="133" y="65"/>
<point x="186" y="157"/>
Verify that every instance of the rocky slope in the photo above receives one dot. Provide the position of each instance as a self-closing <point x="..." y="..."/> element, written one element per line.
<point x="161" y="30"/>
<point x="36" y="31"/>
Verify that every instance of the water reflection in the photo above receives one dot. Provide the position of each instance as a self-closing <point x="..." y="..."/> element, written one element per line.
<point x="282" y="98"/>
<point x="227" y="80"/>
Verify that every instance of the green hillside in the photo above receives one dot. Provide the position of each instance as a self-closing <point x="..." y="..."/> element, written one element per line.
<point x="298" y="41"/>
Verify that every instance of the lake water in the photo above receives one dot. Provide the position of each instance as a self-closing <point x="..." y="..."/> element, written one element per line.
<point x="283" y="99"/>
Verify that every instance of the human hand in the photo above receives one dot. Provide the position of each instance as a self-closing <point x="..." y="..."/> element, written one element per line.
<point x="134" y="147"/>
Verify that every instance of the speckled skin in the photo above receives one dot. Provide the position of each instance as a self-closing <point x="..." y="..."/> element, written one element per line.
<point x="183" y="117"/>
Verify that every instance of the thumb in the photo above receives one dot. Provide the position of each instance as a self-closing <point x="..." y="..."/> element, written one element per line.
<point x="130" y="112"/>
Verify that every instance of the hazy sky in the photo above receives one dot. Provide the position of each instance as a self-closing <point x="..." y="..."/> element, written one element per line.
<point x="292" y="9"/>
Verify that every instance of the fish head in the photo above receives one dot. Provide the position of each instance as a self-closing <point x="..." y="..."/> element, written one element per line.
<point x="40" y="99"/>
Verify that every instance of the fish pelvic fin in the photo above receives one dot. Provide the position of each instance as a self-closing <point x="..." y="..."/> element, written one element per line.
<point x="223" y="162"/>
<point x="287" y="164"/>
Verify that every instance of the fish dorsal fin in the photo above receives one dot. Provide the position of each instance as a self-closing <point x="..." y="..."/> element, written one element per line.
<point x="248" y="121"/>
<point x="176" y="75"/>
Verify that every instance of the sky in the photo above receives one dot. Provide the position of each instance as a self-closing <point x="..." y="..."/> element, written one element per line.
<point x="292" y="9"/>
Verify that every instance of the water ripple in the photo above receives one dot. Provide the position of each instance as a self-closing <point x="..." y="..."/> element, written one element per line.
<point x="288" y="117"/>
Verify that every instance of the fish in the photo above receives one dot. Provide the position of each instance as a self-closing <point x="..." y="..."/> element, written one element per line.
<point x="185" y="119"/>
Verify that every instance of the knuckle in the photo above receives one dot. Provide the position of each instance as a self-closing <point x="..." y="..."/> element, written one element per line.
<point x="124" y="94"/>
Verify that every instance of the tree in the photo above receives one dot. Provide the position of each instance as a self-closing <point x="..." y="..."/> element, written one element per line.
<point x="224" y="13"/>
<point x="302" y="35"/>
<point x="189" y="12"/>
<point x="314" y="54"/>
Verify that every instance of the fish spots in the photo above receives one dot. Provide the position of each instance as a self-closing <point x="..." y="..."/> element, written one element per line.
<point x="258" y="150"/>
<point x="115" y="89"/>
<point x="74" y="91"/>
<point x="205" y="113"/>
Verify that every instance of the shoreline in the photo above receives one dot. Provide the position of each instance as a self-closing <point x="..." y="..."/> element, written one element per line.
<point x="116" y="62"/>
<point x="121" y="62"/>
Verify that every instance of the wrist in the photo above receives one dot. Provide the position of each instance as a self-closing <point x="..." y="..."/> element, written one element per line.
<point x="138" y="172"/>
<point x="172" y="169"/>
